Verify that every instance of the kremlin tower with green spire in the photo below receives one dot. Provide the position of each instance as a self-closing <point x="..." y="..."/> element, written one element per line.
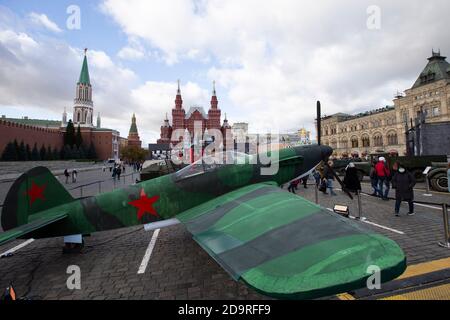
<point x="133" y="136"/>
<point x="83" y="109"/>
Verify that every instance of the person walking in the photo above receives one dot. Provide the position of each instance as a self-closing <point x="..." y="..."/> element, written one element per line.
<point x="351" y="179"/>
<point x="374" y="179"/>
<point x="328" y="175"/>
<point x="317" y="177"/>
<point x="66" y="174"/>
<point x="114" y="172"/>
<point x="403" y="182"/>
<point x="118" y="172"/>
<point x="383" y="175"/>
<point x="305" y="182"/>
<point x="74" y="176"/>
<point x="293" y="186"/>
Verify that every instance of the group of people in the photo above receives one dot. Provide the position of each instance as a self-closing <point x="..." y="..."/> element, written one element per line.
<point x="137" y="166"/>
<point x="117" y="171"/>
<point x="400" y="178"/>
<point x="293" y="185"/>
<point x="67" y="175"/>
<point x="382" y="178"/>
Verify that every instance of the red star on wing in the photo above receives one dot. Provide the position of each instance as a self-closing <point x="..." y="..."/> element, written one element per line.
<point x="144" y="204"/>
<point x="35" y="192"/>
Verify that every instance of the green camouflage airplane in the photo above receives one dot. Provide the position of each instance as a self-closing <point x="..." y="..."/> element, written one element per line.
<point x="276" y="242"/>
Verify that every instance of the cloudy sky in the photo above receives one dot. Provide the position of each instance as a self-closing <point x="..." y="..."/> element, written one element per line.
<point x="271" y="59"/>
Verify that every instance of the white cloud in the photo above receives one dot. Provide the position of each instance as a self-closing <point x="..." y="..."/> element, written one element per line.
<point x="40" y="75"/>
<point x="44" y="21"/>
<point x="128" y="53"/>
<point x="276" y="58"/>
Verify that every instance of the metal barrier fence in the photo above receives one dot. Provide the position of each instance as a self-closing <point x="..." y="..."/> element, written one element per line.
<point x="116" y="183"/>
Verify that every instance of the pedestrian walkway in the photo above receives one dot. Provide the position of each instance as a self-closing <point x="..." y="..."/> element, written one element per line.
<point x="424" y="281"/>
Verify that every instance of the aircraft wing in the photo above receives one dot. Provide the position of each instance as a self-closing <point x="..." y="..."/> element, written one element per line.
<point x="287" y="247"/>
<point x="36" y="224"/>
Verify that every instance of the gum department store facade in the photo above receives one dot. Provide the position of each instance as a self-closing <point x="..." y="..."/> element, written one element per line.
<point x="384" y="129"/>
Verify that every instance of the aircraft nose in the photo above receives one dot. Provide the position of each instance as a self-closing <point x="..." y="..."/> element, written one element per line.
<point x="326" y="152"/>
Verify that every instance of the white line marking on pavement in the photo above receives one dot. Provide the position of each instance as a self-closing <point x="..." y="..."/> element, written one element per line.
<point x="417" y="204"/>
<point x="383" y="227"/>
<point x="148" y="252"/>
<point x="374" y="224"/>
<point x="20" y="246"/>
<point x="427" y="206"/>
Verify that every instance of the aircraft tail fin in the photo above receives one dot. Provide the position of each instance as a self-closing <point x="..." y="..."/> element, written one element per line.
<point x="28" y="229"/>
<point x="34" y="191"/>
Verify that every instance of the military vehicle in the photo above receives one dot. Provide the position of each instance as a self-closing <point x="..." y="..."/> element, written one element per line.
<point x="438" y="176"/>
<point x="415" y="164"/>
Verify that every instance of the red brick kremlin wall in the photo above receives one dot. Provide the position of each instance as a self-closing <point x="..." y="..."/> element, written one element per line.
<point x="54" y="137"/>
<point x="29" y="134"/>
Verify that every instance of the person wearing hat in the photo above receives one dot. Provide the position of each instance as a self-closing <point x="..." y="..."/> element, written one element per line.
<point x="351" y="179"/>
<point x="403" y="182"/>
<point x="383" y="174"/>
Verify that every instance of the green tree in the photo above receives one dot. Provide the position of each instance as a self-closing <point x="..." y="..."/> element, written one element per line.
<point x="22" y="152"/>
<point x="49" y="154"/>
<point x="8" y="153"/>
<point x="43" y="153"/>
<point x="82" y="152"/>
<point x="69" y="135"/>
<point x="16" y="150"/>
<point x="78" y="137"/>
<point x="55" y="154"/>
<point x="28" y="151"/>
<point x="62" y="153"/>
<point x="68" y="154"/>
<point x="92" y="153"/>
<point x="133" y="153"/>
<point x="35" y="153"/>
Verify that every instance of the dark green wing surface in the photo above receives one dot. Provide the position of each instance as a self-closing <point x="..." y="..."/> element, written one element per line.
<point x="287" y="247"/>
<point x="38" y="222"/>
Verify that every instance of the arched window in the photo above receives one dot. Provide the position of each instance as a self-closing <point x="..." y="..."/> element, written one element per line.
<point x="344" y="143"/>
<point x="355" y="143"/>
<point x="392" y="139"/>
<point x="365" y="141"/>
<point x="78" y="116"/>
<point x="378" y="140"/>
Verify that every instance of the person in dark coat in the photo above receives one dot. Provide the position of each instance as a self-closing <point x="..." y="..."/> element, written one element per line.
<point x="119" y="172"/>
<point x="66" y="174"/>
<point x="329" y="177"/>
<point x="403" y="182"/>
<point x="351" y="179"/>
<point x="293" y="186"/>
<point x="305" y="182"/>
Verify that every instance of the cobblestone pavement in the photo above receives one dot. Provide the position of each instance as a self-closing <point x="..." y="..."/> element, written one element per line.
<point x="178" y="267"/>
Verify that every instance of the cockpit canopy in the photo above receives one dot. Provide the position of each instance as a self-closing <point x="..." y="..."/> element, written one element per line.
<point x="213" y="162"/>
